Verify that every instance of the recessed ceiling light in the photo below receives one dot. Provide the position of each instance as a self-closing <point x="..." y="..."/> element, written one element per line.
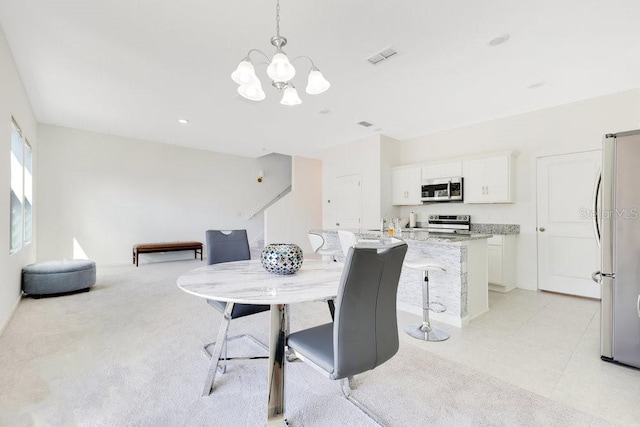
<point x="536" y="85"/>
<point x="183" y="121"/>
<point x="325" y="111"/>
<point x="499" y="40"/>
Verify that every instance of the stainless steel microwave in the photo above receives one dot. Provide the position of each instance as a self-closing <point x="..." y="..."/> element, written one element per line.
<point x="442" y="190"/>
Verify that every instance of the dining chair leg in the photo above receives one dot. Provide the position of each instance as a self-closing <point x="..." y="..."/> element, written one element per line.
<point x="346" y="384"/>
<point x="332" y="308"/>
<point x="351" y="382"/>
<point x="223" y="368"/>
<point x="217" y="350"/>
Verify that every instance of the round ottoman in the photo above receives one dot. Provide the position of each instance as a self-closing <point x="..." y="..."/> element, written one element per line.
<point x="58" y="277"/>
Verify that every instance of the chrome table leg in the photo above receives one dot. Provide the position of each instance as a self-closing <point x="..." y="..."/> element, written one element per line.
<point x="277" y="341"/>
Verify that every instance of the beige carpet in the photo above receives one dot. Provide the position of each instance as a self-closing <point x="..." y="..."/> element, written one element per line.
<point x="129" y="353"/>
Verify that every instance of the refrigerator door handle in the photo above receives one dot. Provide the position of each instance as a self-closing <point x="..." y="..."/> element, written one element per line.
<point x="600" y="275"/>
<point x="596" y="194"/>
<point x="638" y="305"/>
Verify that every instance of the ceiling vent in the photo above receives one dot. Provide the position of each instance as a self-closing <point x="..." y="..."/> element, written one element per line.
<point x="365" y="124"/>
<point x="382" y="55"/>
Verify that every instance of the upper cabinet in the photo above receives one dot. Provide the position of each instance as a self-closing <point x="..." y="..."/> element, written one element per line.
<point x="407" y="185"/>
<point x="488" y="180"/>
<point x="442" y="170"/>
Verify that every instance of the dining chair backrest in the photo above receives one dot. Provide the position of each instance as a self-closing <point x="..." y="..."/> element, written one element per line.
<point x="365" y="330"/>
<point x="227" y="246"/>
<point x="347" y="240"/>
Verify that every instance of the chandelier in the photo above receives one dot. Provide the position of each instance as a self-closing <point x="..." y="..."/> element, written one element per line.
<point x="280" y="71"/>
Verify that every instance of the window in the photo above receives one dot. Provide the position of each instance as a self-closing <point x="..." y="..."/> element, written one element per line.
<point x="21" y="190"/>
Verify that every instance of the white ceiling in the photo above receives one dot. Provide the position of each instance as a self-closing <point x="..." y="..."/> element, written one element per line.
<point x="133" y="67"/>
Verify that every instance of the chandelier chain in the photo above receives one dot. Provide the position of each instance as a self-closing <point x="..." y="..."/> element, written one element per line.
<point x="278" y="18"/>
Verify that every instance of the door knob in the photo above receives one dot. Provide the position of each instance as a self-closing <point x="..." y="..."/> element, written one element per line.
<point x="541" y="229"/>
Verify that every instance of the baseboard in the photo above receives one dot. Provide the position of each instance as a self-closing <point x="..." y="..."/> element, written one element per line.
<point x="468" y="319"/>
<point x="8" y="319"/>
<point x="500" y="288"/>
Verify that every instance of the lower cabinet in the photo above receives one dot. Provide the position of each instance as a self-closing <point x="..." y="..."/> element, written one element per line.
<point x="501" y="268"/>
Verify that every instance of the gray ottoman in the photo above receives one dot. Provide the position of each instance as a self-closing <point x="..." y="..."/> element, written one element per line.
<point x="58" y="277"/>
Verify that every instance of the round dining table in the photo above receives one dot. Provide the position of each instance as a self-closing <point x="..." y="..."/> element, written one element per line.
<point x="247" y="282"/>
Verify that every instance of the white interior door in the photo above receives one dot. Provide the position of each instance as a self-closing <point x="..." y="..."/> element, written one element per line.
<point x="348" y="202"/>
<point x="567" y="248"/>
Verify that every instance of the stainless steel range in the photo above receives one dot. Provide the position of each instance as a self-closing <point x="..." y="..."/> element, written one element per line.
<point x="449" y="224"/>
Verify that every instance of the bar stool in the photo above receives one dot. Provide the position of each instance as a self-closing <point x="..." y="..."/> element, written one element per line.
<point x="347" y="240"/>
<point x="424" y="331"/>
<point x="318" y="245"/>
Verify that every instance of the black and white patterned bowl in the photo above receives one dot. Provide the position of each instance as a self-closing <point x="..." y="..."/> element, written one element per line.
<point x="282" y="258"/>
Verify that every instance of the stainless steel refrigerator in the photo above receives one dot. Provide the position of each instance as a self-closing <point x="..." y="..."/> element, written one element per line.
<point x="617" y="227"/>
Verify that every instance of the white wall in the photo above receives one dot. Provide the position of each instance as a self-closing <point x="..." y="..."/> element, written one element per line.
<point x="108" y="193"/>
<point x="372" y="158"/>
<point x="359" y="157"/>
<point x="290" y="219"/>
<point x="389" y="157"/>
<point x="13" y="103"/>
<point x="569" y="128"/>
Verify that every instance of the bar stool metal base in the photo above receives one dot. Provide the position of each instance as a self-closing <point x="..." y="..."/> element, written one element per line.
<point x="426" y="333"/>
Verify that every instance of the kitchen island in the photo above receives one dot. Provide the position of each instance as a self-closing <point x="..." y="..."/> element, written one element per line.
<point x="462" y="289"/>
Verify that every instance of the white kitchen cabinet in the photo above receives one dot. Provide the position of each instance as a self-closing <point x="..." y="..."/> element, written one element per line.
<point x="488" y="180"/>
<point x="501" y="259"/>
<point x="442" y="170"/>
<point x="407" y="185"/>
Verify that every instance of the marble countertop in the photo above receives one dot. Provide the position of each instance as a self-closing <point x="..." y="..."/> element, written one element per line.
<point x="414" y="235"/>
<point x="502" y="229"/>
<point x="482" y="228"/>
<point x="248" y="282"/>
<point x="425" y="236"/>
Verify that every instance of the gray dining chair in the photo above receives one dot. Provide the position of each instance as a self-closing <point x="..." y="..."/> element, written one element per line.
<point x="364" y="333"/>
<point x="227" y="246"/>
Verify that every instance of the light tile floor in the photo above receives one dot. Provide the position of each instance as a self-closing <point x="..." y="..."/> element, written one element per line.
<point x="548" y="344"/>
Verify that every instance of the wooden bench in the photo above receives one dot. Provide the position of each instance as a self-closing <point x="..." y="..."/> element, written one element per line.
<point x="147" y="248"/>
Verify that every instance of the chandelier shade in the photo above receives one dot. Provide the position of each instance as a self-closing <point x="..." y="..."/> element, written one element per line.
<point x="316" y="83"/>
<point x="253" y="93"/>
<point x="245" y="74"/>
<point x="280" y="70"/>
<point x="290" y="96"/>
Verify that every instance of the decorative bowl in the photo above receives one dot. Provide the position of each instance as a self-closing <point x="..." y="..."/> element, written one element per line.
<point x="282" y="258"/>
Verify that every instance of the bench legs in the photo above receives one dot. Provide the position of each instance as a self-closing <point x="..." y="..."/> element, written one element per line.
<point x="197" y="251"/>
